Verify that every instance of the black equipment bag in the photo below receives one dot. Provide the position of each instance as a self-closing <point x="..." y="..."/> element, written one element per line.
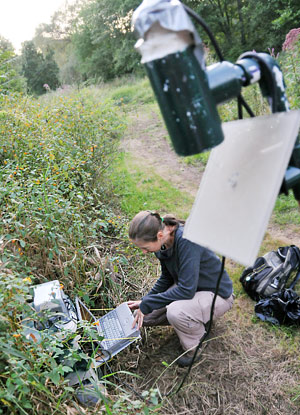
<point x="270" y="273"/>
<point x="282" y="307"/>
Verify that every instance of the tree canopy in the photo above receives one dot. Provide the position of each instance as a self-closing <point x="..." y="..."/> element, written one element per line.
<point x="93" y="40"/>
<point x="41" y="72"/>
<point x="10" y="79"/>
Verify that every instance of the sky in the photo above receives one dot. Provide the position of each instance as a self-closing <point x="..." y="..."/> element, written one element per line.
<point x="19" y="18"/>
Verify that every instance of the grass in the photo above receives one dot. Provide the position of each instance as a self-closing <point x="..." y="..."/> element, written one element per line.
<point x="138" y="188"/>
<point x="137" y="92"/>
<point x="286" y="210"/>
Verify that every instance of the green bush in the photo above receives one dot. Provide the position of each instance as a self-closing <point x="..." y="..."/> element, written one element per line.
<point x="54" y="158"/>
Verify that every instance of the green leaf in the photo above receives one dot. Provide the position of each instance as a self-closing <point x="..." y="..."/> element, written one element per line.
<point x="54" y="376"/>
<point x="67" y="369"/>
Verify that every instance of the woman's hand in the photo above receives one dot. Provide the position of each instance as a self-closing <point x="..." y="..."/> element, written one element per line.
<point x="134" y="305"/>
<point x="138" y="319"/>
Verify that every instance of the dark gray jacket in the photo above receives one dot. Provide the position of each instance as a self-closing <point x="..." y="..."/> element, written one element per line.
<point x="191" y="268"/>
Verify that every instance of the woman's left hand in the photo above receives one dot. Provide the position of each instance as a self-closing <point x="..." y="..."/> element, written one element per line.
<point x="138" y="319"/>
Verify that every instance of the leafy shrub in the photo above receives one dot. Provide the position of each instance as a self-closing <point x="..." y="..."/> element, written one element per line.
<point x="54" y="156"/>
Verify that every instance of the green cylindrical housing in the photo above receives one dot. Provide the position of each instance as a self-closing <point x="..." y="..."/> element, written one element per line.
<point x="186" y="102"/>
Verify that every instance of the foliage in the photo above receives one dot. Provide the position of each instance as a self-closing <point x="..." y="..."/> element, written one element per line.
<point x="51" y="157"/>
<point x="104" y="41"/>
<point x="93" y="40"/>
<point x="41" y="72"/>
<point x="58" y="36"/>
<point x="54" y="158"/>
<point x="48" y="162"/>
<point x="246" y="25"/>
<point x="289" y="61"/>
<point x="25" y="365"/>
<point x="10" y="80"/>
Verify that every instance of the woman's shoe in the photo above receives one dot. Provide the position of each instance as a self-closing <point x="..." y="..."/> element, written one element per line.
<point x="186" y="359"/>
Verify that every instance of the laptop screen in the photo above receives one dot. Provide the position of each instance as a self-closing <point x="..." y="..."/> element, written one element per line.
<point x="83" y="312"/>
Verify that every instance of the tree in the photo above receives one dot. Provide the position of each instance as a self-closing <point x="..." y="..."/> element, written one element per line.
<point x="38" y="70"/>
<point x="58" y="36"/>
<point x="10" y="79"/>
<point x="242" y="25"/>
<point x="103" y="40"/>
<point x="50" y="70"/>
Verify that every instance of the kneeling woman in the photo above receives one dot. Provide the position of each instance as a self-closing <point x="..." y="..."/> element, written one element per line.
<point x="183" y="294"/>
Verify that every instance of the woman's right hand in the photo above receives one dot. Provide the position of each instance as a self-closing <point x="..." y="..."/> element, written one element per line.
<point x="134" y="305"/>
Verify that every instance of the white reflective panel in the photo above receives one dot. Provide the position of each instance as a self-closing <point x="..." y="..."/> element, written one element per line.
<point x="240" y="185"/>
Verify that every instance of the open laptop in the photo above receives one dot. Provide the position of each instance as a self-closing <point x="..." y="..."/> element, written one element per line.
<point x="115" y="327"/>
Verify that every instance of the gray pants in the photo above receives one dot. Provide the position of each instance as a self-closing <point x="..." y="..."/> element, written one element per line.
<point x="188" y="317"/>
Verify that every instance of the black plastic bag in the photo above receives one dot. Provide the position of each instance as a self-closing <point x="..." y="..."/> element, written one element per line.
<point x="282" y="307"/>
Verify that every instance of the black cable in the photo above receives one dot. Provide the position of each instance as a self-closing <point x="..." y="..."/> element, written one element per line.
<point x="114" y="375"/>
<point x="241" y="102"/>
<point x="202" y="23"/>
<point x="206" y="334"/>
<point x="207" y="29"/>
<point x="240" y="108"/>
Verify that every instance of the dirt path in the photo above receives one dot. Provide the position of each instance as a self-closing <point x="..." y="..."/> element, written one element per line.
<point x="147" y="143"/>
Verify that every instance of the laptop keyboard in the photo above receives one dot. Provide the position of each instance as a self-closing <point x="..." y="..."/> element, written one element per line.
<point x="111" y="329"/>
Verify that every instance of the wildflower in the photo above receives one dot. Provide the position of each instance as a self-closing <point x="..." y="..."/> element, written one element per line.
<point x="291" y="39"/>
<point x="27" y="279"/>
<point x="17" y="335"/>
